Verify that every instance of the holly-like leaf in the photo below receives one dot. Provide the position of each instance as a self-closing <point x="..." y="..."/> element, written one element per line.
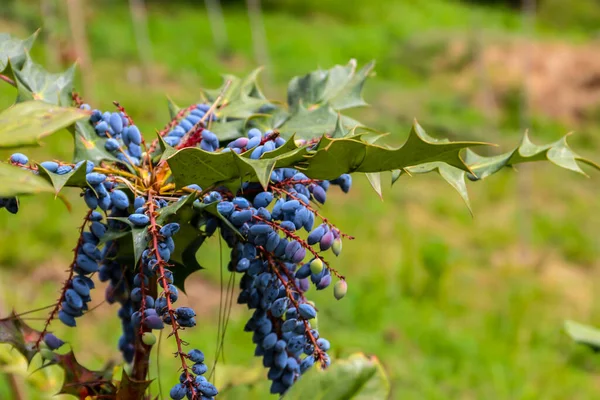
<point x="357" y="378"/>
<point x="339" y="86"/>
<point x="211" y="208"/>
<point x="19" y="335"/>
<point x="75" y="178"/>
<point x="241" y="99"/>
<point x="173" y="108"/>
<point x="88" y="145"/>
<point x="258" y="169"/>
<point x="35" y="83"/>
<point x="229" y="130"/>
<point x="79" y="379"/>
<point x="15" y="51"/>
<point x="24" y="124"/>
<point x="15" y="181"/>
<point x="558" y="153"/>
<point x="420" y="148"/>
<point x="454" y="176"/>
<point x="330" y="159"/>
<point x="131" y="389"/>
<point x="308" y="123"/>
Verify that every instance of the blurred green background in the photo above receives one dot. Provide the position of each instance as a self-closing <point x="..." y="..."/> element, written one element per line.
<point x="455" y="307"/>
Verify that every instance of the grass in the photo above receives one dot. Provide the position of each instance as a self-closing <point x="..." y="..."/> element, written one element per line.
<point x="454" y="306"/>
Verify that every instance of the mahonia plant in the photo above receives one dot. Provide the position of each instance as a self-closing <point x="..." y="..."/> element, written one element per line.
<point x="235" y="164"/>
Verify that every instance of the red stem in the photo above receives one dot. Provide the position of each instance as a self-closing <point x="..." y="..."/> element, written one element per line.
<point x="7" y="80"/>
<point x="153" y="230"/>
<point x="66" y="284"/>
<point x="302" y="242"/>
<point x="318" y="353"/>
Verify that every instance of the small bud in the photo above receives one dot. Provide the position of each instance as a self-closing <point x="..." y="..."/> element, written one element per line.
<point x="340" y="289"/>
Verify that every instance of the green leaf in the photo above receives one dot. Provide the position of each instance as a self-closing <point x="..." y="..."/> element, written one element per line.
<point x="77" y="376"/>
<point x="558" y="153"/>
<point x="419" y="148"/>
<point x="131" y="389"/>
<point x="19" y="335"/>
<point x="166" y="151"/>
<point x="583" y="334"/>
<point x="26" y="123"/>
<point x="242" y="98"/>
<point x="261" y="169"/>
<point x="229" y="130"/>
<point x="309" y="123"/>
<point x="340" y="87"/>
<point x="75" y="178"/>
<point x="173" y="108"/>
<point x="88" y="145"/>
<point x="15" y="51"/>
<point x="330" y="159"/>
<point x="454" y="176"/>
<point x="358" y="378"/>
<point x="35" y="83"/>
<point x="375" y="182"/>
<point x="15" y="181"/>
<point x="350" y="95"/>
<point x="211" y="208"/>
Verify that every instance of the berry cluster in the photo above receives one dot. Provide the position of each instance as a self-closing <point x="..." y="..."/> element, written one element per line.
<point x="276" y="235"/>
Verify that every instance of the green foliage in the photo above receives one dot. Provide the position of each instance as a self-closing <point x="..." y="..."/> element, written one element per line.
<point x="344" y="146"/>
<point x="24" y="124"/>
<point x="359" y="377"/>
<point x="16" y="181"/>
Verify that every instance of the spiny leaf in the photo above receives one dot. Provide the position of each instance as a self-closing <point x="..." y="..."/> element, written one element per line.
<point x="357" y="378"/>
<point x="242" y="98"/>
<point x="419" y="148"/>
<point x="454" y="176"/>
<point x="583" y="334"/>
<point x="75" y="178"/>
<point x="131" y="389"/>
<point x="24" y="124"/>
<point x="261" y="169"/>
<point x="340" y="87"/>
<point x="330" y="159"/>
<point x="375" y="182"/>
<point x="88" y="145"/>
<point x="35" y="83"/>
<point x="173" y="108"/>
<point x="558" y="153"/>
<point x="19" y="335"/>
<point x="308" y="123"/>
<point x="15" y="51"/>
<point x="211" y="208"/>
<point x="79" y="379"/>
<point x="229" y="130"/>
<point x="15" y="181"/>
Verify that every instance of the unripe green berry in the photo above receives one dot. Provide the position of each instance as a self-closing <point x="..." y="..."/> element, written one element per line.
<point x="47" y="354"/>
<point x="148" y="339"/>
<point x="316" y="266"/>
<point x="340" y="289"/>
<point x="337" y="246"/>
